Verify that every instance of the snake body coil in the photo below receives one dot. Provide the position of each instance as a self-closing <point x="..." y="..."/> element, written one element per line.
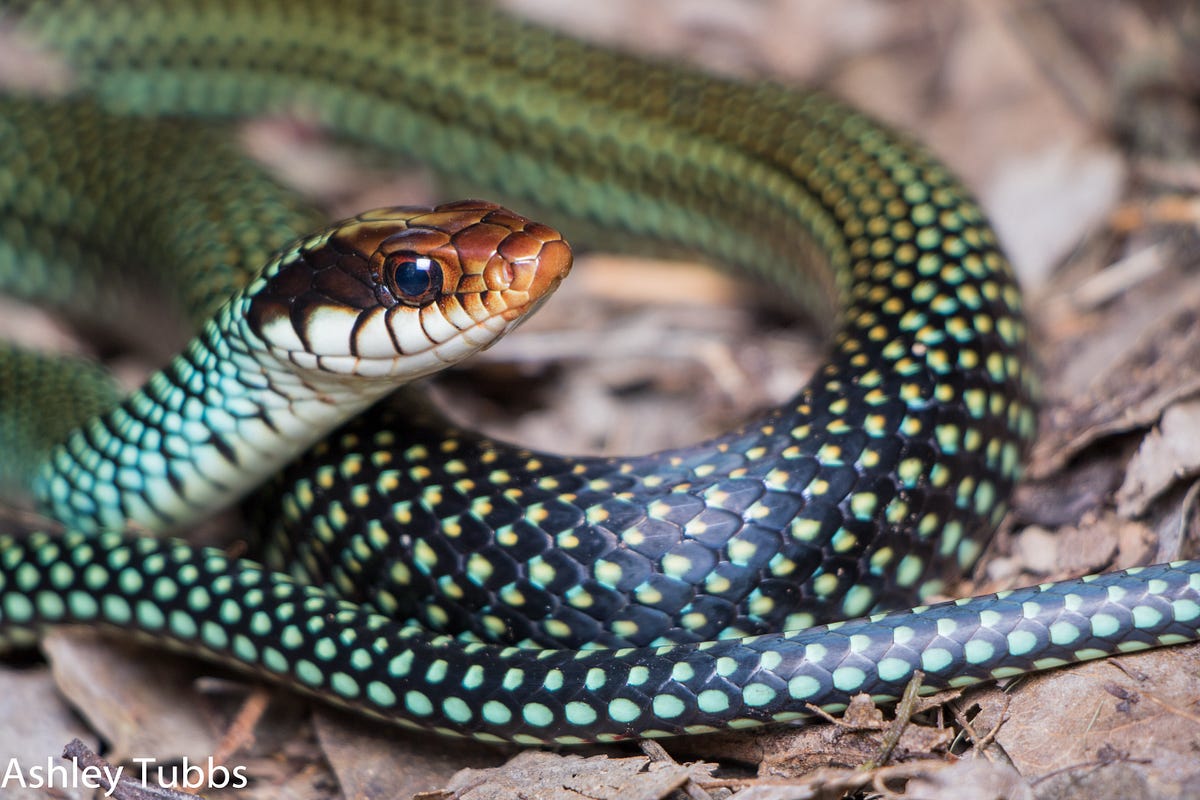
<point x="873" y="487"/>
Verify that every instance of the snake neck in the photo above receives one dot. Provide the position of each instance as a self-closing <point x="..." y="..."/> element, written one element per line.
<point x="202" y="432"/>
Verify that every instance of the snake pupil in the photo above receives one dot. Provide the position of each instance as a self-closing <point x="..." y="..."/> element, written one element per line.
<point x="413" y="279"/>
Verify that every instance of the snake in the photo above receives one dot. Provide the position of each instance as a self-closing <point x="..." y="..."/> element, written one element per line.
<point x="441" y="580"/>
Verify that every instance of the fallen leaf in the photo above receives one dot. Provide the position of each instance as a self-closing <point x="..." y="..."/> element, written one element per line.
<point x="1132" y="716"/>
<point x="378" y="761"/>
<point x="535" y="775"/>
<point x="142" y="707"/>
<point x="1168" y="455"/>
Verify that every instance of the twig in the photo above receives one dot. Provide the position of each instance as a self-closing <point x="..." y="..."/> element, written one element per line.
<point x="657" y="753"/>
<point x="904" y="711"/>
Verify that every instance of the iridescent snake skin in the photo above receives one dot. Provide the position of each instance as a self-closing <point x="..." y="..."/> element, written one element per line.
<point x="443" y="581"/>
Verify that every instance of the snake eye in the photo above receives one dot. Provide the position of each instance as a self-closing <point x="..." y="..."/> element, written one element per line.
<point x="413" y="279"/>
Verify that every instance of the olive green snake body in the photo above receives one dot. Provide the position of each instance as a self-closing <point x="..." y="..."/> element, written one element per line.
<point x="443" y="581"/>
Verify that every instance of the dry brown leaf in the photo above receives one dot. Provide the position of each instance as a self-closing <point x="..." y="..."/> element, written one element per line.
<point x="535" y="775"/>
<point x="1122" y="378"/>
<point x="987" y="781"/>
<point x="1045" y="202"/>
<point x="35" y="725"/>
<point x="1170" y="453"/>
<point x="1133" y="716"/>
<point x="377" y="761"/>
<point x="1096" y="544"/>
<point x="142" y="707"/>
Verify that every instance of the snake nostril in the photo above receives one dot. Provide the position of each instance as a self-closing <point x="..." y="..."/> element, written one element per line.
<point x="500" y="274"/>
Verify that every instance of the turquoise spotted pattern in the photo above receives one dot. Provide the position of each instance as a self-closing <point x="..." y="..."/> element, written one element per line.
<point x="566" y="600"/>
<point x="227" y="402"/>
<point x="325" y="330"/>
<point x="203" y="602"/>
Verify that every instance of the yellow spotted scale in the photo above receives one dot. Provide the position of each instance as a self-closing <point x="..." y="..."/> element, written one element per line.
<point x="446" y="582"/>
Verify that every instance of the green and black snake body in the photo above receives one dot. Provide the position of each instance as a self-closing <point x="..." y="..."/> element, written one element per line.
<point x="566" y="599"/>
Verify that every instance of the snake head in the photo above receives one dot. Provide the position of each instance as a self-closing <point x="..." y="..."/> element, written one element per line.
<point x="402" y="292"/>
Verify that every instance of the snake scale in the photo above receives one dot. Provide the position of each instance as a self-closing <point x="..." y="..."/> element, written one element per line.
<point x="447" y="582"/>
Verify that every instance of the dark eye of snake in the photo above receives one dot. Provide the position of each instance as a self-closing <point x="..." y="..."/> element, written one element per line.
<point x="413" y="279"/>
